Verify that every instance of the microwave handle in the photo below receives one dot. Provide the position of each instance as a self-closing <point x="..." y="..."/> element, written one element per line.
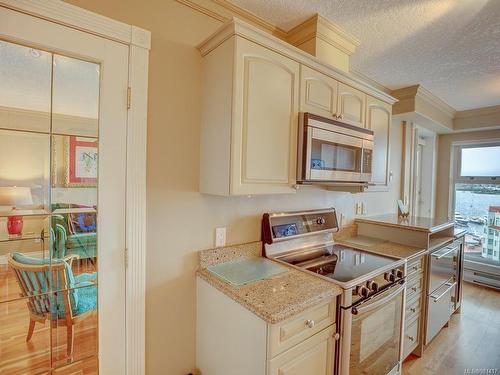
<point x="382" y="301"/>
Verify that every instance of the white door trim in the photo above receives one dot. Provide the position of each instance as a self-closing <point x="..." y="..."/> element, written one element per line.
<point x="139" y="41"/>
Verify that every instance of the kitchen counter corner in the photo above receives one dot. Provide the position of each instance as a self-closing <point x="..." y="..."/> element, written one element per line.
<point x="273" y="299"/>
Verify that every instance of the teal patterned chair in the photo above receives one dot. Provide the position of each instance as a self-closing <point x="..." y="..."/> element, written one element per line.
<point x="65" y="306"/>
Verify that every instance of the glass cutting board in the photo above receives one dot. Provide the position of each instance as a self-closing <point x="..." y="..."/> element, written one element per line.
<point x="246" y="271"/>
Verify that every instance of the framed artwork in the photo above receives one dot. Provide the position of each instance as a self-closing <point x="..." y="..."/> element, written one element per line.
<point x="81" y="162"/>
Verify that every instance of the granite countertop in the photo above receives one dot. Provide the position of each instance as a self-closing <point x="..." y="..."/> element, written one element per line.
<point x="382" y="247"/>
<point x="274" y="299"/>
<point x="423" y="224"/>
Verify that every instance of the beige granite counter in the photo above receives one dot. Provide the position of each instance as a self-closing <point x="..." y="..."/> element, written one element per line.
<point x="382" y="247"/>
<point x="274" y="299"/>
<point x="423" y="224"/>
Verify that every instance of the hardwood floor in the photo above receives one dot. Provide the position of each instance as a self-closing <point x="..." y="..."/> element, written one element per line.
<point x="471" y="342"/>
<point x="46" y="351"/>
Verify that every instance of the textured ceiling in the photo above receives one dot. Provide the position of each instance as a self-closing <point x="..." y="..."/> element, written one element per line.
<point x="451" y="47"/>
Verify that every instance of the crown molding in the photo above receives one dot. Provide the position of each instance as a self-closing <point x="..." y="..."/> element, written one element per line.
<point x="237" y="27"/>
<point x="81" y="19"/>
<point x="372" y="82"/>
<point x="484" y="111"/>
<point x="233" y="11"/>
<point x="337" y="30"/>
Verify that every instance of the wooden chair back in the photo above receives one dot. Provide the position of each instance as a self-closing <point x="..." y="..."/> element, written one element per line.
<point x="37" y="283"/>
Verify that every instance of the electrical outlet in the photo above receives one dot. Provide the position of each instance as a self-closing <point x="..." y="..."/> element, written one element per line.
<point x="363" y="208"/>
<point x="359" y="209"/>
<point x="220" y="237"/>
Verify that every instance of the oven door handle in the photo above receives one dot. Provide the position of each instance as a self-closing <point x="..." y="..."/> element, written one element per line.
<point x="450" y="286"/>
<point x="382" y="301"/>
<point x="445" y="253"/>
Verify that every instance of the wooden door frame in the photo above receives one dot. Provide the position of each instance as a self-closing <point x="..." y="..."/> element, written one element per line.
<point x="139" y="42"/>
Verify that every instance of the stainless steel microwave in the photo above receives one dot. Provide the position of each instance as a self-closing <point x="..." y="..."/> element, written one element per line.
<point x="331" y="151"/>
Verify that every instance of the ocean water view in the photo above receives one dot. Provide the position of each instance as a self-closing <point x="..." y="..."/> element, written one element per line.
<point x="472" y="204"/>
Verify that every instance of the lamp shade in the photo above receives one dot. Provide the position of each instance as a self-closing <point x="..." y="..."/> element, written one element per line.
<point x="15" y="196"/>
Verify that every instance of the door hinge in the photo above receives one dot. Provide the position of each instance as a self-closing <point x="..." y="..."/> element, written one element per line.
<point x="129" y="97"/>
<point x="126" y="257"/>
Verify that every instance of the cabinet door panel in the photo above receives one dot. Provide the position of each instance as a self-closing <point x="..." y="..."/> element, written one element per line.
<point x="318" y="93"/>
<point x="379" y="120"/>
<point x="314" y="356"/>
<point x="265" y="123"/>
<point x="351" y="105"/>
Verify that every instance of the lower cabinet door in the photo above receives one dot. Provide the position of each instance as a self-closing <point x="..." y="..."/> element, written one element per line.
<point x="313" y="356"/>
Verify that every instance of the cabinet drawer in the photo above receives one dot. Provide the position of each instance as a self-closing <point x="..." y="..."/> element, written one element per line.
<point x="413" y="308"/>
<point x="414" y="286"/>
<point x="314" y="356"/>
<point x="410" y="340"/>
<point x="284" y="335"/>
<point x="415" y="266"/>
<point x="439" y="311"/>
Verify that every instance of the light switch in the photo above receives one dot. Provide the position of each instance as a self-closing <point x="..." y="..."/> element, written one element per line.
<point x="220" y="237"/>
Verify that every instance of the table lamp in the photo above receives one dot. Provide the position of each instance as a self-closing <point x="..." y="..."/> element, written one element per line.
<point x="15" y="196"/>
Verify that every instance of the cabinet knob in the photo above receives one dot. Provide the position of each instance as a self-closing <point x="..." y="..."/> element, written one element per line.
<point x="411" y="338"/>
<point x="414" y="288"/>
<point x="310" y="323"/>
<point x="413" y="309"/>
<point x="336" y="336"/>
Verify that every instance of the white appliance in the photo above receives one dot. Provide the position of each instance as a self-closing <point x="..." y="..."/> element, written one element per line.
<point x="372" y="303"/>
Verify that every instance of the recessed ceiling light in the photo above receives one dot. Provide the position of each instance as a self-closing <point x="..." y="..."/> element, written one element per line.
<point x="35" y="53"/>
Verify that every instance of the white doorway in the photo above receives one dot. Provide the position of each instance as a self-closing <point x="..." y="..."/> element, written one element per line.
<point x="63" y="105"/>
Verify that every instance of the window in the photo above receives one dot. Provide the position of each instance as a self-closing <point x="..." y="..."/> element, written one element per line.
<point x="477" y="203"/>
<point x="477" y="161"/>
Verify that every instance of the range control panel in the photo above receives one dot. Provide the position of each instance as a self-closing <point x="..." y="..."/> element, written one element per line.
<point x="280" y="226"/>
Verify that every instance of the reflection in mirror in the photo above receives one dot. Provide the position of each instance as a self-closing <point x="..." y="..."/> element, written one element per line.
<point x="75" y="97"/>
<point x="78" y="340"/>
<point x="75" y="239"/>
<point x="24" y="172"/>
<point x="23" y="350"/>
<point x="25" y="89"/>
<point x="33" y="244"/>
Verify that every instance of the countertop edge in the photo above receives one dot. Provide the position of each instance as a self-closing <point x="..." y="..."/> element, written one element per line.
<point x="274" y="318"/>
<point x="433" y="229"/>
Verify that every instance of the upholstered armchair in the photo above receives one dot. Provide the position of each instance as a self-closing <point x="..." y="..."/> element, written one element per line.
<point x="50" y="290"/>
<point x="68" y="242"/>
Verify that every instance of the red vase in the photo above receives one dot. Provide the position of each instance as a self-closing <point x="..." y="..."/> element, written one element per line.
<point x="15" y="225"/>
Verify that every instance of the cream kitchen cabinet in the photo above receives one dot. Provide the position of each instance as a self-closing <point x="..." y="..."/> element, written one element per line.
<point x="315" y="356"/>
<point x="249" y="121"/>
<point x="318" y="93"/>
<point x="351" y="105"/>
<point x="378" y="119"/>
<point x="232" y="340"/>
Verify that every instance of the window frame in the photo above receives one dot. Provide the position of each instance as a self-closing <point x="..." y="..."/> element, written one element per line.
<point x="455" y="178"/>
<point x="490" y="180"/>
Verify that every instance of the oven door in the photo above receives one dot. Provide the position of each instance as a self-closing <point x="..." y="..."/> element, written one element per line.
<point x="376" y="333"/>
<point x="333" y="156"/>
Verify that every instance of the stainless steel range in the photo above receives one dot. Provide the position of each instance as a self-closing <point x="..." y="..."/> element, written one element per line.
<point x="372" y="302"/>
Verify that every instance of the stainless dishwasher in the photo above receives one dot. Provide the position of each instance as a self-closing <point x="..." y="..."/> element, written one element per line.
<point x="442" y="283"/>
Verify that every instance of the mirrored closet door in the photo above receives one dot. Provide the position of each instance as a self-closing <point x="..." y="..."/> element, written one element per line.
<point x="62" y="199"/>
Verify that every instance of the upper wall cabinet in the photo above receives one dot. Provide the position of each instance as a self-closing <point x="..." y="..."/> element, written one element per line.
<point x="254" y="86"/>
<point x="250" y="115"/>
<point x="351" y="105"/>
<point x="378" y="119"/>
<point x="318" y="93"/>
